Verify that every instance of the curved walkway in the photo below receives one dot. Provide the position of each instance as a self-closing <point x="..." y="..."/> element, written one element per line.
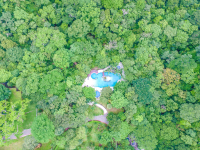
<point x="103" y="108"/>
<point x="101" y="118"/>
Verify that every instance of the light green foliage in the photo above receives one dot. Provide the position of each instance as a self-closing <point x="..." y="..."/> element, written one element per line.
<point x="190" y="112"/>
<point x="130" y="94"/>
<point x="189" y="77"/>
<point x="89" y="92"/>
<point x="32" y="84"/>
<point x="195" y="18"/>
<point x="121" y="86"/>
<point x="187" y="26"/>
<point x="90" y="13"/>
<point x="105" y="95"/>
<point x="15" y="113"/>
<point x="59" y="131"/>
<point x="197" y="91"/>
<point x="170" y="32"/>
<point x="2" y="54"/>
<point x="78" y="29"/>
<point x="5" y="75"/>
<point x="41" y="2"/>
<point x="190" y="98"/>
<point x="140" y="4"/>
<point x="52" y="82"/>
<point x="188" y="3"/>
<point x="7" y="44"/>
<point x="147" y="56"/>
<point x="142" y="55"/>
<point x="169" y="132"/>
<point x="171" y="105"/>
<point x="129" y="69"/>
<point x="154" y="29"/>
<point x="172" y="3"/>
<point x="106" y="92"/>
<point x="81" y="135"/>
<point x="131" y="109"/>
<point x="122" y="133"/>
<point x="83" y="50"/>
<point x="20" y="13"/>
<point x="118" y="100"/>
<point x="188" y="139"/>
<point x="61" y="58"/>
<point x="108" y="4"/>
<point x="130" y="38"/>
<point x="145" y="137"/>
<point x="40" y="124"/>
<point x="29" y="143"/>
<point x="4" y="92"/>
<point x="48" y="13"/>
<point x="14" y="54"/>
<point x="181" y="36"/>
<point x="52" y="38"/>
<point x="7" y="22"/>
<point x="105" y="137"/>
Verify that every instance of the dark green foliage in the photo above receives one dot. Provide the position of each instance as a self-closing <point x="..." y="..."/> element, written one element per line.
<point x="142" y="87"/>
<point x="4" y="93"/>
<point x="183" y="64"/>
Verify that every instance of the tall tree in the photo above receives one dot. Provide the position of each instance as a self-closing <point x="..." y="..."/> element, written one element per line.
<point x="4" y="92"/>
<point x="142" y="87"/>
<point x="42" y="129"/>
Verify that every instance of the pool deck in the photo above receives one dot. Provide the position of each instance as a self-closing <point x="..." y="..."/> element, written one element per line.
<point x="89" y="82"/>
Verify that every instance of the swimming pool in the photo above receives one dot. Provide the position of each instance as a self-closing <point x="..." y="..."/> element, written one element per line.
<point x="101" y="83"/>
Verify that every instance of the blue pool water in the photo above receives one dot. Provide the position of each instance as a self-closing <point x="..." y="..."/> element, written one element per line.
<point x="101" y="83"/>
<point x="97" y="94"/>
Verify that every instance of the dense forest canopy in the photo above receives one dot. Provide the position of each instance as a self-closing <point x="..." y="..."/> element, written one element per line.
<point x="48" y="48"/>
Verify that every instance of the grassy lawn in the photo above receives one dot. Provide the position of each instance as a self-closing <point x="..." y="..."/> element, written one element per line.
<point x="15" y="145"/>
<point x="15" y="95"/>
<point x="30" y="115"/>
<point x="45" y="146"/>
<point x="96" y="111"/>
